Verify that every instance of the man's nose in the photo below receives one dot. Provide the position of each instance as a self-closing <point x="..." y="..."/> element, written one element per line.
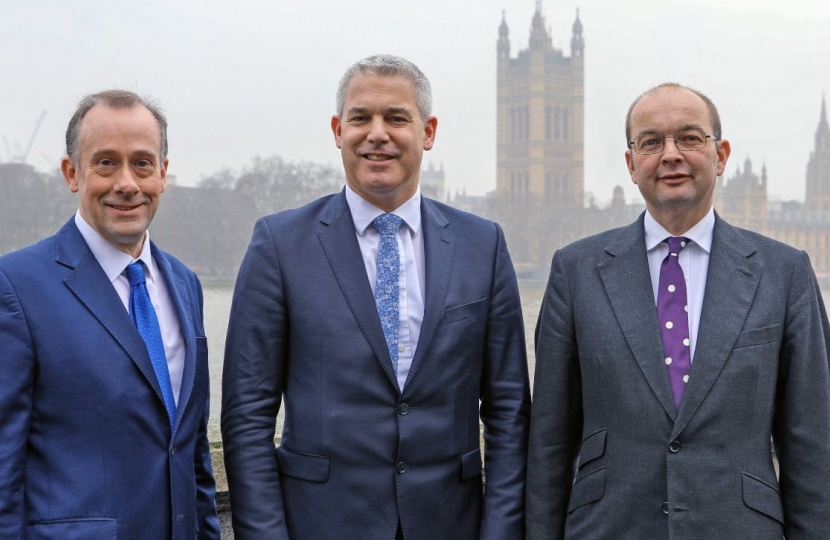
<point x="126" y="181"/>
<point x="670" y="150"/>
<point x="377" y="131"/>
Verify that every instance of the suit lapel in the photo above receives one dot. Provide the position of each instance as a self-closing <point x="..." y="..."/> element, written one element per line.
<point x="177" y="291"/>
<point x="627" y="282"/>
<point x="439" y="248"/>
<point x="90" y="285"/>
<point x="337" y="236"/>
<point x="731" y="282"/>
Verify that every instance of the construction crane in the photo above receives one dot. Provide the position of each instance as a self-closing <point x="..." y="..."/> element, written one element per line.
<point x="23" y="155"/>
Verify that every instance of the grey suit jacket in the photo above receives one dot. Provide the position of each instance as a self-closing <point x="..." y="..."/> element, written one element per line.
<point x="610" y="457"/>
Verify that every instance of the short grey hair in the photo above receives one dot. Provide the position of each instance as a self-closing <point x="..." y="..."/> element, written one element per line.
<point x="388" y="65"/>
<point x="714" y="116"/>
<point x="117" y="99"/>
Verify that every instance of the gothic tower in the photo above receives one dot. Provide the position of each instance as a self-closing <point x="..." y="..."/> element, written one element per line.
<point x="745" y="198"/>
<point x="818" y="168"/>
<point x="540" y="138"/>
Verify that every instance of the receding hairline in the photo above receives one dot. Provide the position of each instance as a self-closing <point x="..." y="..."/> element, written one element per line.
<point x="711" y="109"/>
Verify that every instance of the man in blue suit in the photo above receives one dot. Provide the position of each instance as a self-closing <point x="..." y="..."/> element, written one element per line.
<point x="386" y="346"/>
<point x="103" y="431"/>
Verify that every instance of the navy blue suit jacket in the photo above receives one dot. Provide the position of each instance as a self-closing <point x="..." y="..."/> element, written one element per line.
<point x="357" y="453"/>
<point x="86" y="447"/>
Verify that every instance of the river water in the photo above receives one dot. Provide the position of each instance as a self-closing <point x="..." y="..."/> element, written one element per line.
<point x="218" y="305"/>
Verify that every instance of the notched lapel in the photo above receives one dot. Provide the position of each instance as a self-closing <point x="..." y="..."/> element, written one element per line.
<point x="731" y="283"/>
<point x="88" y="283"/>
<point x="177" y="291"/>
<point x="439" y="251"/>
<point x="337" y="236"/>
<point x="627" y="282"/>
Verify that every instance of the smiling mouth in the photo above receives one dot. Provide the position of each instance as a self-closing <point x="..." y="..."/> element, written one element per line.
<point x="123" y="208"/>
<point x="378" y="157"/>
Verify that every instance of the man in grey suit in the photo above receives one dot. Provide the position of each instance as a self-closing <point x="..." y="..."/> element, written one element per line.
<point x="656" y="392"/>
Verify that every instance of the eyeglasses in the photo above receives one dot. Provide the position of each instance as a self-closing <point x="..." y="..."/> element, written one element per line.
<point x="686" y="140"/>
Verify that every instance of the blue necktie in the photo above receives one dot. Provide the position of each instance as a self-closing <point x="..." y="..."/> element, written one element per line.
<point x="387" y="288"/>
<point x="144" y="317"/>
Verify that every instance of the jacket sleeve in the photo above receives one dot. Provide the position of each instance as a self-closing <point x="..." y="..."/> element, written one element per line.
<point x="17" y="368"/>
<point x="556" y="419"/>
<point x="252" y="385"/>
<point x="801" y="426"/>
<point x="505" y="404"/>
<point x="203" y="469"/>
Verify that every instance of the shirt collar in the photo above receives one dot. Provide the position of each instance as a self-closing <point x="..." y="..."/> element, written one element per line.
<point x="112" y="259"/>
<point x="700" y="233"/>
<point x="364" y="213"/>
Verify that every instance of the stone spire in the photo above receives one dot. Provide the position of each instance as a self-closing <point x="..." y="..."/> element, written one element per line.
<point x="823" y="131"/>
<point x="577" y="42"/>
<point x="503" y="46"/>
<point x="539" y="36"/>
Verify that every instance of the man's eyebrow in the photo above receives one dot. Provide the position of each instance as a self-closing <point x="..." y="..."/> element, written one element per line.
<point x="399" y="110"/>
<point x="357" y="110"/>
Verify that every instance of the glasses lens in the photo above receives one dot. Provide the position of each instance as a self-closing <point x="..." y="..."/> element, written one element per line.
<point x="650" y="143"/>
<point x="690" y="139"/>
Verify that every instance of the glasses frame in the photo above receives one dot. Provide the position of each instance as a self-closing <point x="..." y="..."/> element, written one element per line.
<point x="706" y="137"/>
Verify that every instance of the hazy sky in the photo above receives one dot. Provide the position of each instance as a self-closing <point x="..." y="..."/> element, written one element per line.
<point x="246" y="78"/>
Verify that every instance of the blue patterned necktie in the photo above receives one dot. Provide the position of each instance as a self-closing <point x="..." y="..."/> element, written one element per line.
<point x="673" y="314"/>
<point x="144" y="317"/>
<point x="387" y="288"/>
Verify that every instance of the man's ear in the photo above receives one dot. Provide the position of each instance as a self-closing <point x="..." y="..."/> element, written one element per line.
<point x="70" y="174"/>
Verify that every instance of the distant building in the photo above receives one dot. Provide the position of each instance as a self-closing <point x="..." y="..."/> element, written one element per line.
<point x="540" y="139"/>
<point x="742" y="200"/>
<point x="433" y="184"/>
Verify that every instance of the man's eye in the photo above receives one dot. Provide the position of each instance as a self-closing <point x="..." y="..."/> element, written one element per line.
<point x="398" y="120"/>
<point x="649" y="141"/>
<point x="358" y="119"/>
<point x="691" y="137"/>
<point x="106" y="163"/>
<point x="143" y="163"/>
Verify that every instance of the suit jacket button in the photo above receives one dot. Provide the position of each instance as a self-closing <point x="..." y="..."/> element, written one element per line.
<point x="665" y="508"/>
<point x="403" y="408"/>
<point x="674" y="447"/>
<point x="400" y="467"/>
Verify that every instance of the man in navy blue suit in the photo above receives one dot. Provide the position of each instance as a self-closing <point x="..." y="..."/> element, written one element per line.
<point x="88" y="447"/>
<point x="386" y="346"/>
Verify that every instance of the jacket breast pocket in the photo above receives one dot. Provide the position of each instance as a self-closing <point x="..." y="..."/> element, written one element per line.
<point x="471" y="464"/>
<point x="74" y="529"/>
<point x="758" y="336"/>
<point x="302" y="465"/>
<point x="464" y="311"/>
<point x="201" y="349"/>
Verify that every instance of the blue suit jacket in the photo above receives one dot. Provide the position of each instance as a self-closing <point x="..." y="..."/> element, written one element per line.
<point x="357" y="454"/>
<point x="86" y="449"/>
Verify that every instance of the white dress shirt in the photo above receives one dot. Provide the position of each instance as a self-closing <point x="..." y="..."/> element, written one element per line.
<point x="114" y="262"/>
<point x="693" y="259"/>
<point x="411" y="278"/>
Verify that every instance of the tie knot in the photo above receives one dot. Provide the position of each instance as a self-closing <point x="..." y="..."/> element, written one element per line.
<point x="387" y="223"/>
<point x="676" y="243"/>
<point x="135" y="273"/>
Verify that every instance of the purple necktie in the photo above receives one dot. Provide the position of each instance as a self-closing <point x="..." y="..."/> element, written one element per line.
<point x="673" y="314"/>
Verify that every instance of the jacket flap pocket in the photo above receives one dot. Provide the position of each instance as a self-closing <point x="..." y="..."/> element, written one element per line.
<point x="74" y="529"/>
<point x="758" y="336"/>
<point x="471" y="464"/>
<point x="592" y="448"/>
<point x="201" y="344"/>
<point x="304" y="466"/>
<point x="762" y="497"/>
<point x="464" y="311"/>
<point x="587" y="490"/>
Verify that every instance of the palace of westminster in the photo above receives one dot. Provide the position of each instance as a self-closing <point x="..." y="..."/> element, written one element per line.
<point x="539" y="197"/>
